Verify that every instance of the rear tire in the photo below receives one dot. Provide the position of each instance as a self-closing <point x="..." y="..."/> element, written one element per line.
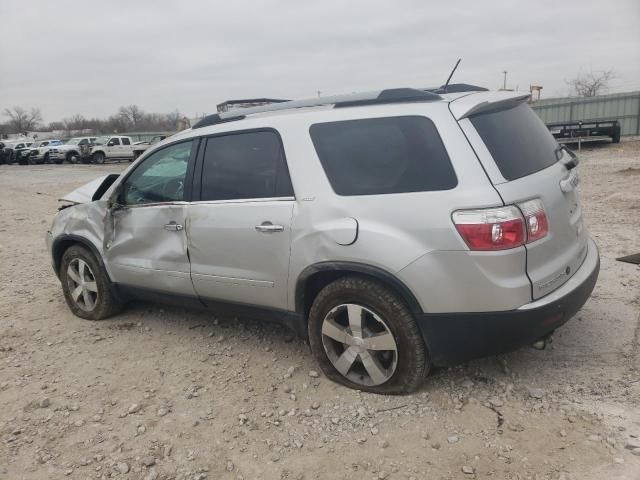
<point x="397" y="365"/>
<point x="86" y="286"/>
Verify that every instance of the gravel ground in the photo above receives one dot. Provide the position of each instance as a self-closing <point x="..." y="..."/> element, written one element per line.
<point x="165" y="393"/>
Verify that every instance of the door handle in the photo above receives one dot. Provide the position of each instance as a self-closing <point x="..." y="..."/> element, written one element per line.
<point x="173" y="227"/>
<point x="268" y="227"/>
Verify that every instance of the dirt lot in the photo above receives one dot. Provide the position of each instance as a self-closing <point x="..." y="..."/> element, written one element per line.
<point x="164" y="393"/>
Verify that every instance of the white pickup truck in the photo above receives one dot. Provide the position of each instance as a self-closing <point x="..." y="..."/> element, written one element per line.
<point x="115" y="147"/>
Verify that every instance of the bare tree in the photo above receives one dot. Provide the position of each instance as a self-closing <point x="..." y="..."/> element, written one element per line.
<point x="22" y="121"/>
<point x="592" y="83"/>
<point x="131" y="113"/>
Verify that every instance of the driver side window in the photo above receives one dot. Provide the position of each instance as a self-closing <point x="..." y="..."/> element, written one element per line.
<point x="159" y="178"/>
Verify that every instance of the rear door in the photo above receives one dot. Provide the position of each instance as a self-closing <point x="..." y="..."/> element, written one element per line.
<point x="524" y="162"/>
<point x="239" y="231"/>
<point x="126" y="150"/>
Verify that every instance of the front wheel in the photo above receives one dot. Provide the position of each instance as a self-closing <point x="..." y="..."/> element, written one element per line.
<point x="87" y="289"/>
<point x="364" y="336"/>
<point x="98" y="157"/>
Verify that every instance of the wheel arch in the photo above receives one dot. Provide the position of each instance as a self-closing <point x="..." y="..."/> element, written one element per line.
<point x="315" y="277"/>
<point x="64" y="242"/>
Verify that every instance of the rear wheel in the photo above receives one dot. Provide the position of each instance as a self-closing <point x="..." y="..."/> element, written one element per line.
<point x="87" y="289"/>
<point x="364" y="336"/>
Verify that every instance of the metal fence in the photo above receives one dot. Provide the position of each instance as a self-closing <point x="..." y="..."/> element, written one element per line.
<point x="624" y="107"/>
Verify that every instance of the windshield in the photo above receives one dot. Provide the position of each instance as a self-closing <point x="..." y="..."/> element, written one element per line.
<point x="102" y="140"/>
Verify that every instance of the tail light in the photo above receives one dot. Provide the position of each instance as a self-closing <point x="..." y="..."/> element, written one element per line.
<point x="491" y="229"/>
<point x="535" y="219"/>
<point x="503" y="227"/>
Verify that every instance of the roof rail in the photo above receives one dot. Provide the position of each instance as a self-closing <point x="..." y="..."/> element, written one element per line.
<point x="457" y="88"/>
<point x="394" y="95"/>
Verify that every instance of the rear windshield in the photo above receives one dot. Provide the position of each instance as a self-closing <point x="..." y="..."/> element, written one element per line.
<point x="383" y="155"/>
<point x="518" y="141"/>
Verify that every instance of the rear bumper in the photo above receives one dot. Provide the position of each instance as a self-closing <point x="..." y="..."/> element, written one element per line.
<point x="454" y="338"/>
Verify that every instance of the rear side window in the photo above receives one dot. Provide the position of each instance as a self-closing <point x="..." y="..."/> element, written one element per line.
<point x="244" y="166"/>
<point x="125" y="141"/>
<point x="517" y="139"/>
<point x="383" y="155"/>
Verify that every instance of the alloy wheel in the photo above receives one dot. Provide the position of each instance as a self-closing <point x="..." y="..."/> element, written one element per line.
<point x="82" y="284"/>
<point x="359" y="344"/>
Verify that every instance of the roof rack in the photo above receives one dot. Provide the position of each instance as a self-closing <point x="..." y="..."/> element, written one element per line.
<point x="248" y="103"/>
<point x="393" y="95"/>
<point x="456" y="88"/>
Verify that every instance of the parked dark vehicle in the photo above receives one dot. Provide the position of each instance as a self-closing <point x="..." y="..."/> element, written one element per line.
<point x="14" y="151"/>
<point x="585" y="131"/>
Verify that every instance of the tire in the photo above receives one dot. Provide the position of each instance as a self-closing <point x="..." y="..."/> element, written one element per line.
<point x="97" y="299"/>
<point x="69" y="157"/>
<point x="98" y="158"/>
<point x="381" y="312"/>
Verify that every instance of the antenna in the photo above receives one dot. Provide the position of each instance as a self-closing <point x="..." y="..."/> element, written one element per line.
<point x="444" y="87"/>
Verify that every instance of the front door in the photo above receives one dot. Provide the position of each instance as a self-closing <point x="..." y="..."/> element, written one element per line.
<point x="146" y="244"/>
<point x="112" y="148"/>
<point x="239" y="230"/>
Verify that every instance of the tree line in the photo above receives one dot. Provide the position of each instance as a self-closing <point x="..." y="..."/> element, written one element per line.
<point x="128" y="119"/>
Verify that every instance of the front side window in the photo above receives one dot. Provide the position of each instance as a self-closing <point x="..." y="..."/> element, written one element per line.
<point x="160" y="178"/>
<point x="245" y="166"/>
<point x="114" y="141"/>
<point x="383" y="155"/>
<point x="84" y="141"/>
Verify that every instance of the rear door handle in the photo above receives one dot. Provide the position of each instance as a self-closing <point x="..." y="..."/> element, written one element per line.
<point x="268" y="227"/>
<point x="173" y="227"/>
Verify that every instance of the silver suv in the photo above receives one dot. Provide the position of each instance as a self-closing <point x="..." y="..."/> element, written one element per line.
<point x="396" y="230"/>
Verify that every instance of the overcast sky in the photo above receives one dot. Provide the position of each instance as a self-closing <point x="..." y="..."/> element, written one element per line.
<point x="90" y="57"/>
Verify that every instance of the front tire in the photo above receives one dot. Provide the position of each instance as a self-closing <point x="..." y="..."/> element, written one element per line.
<point x="364" y="336"/>
<point x="98" y="158"/>
<point x="87" y="289"/>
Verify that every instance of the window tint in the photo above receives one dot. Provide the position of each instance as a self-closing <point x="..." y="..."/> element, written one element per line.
<point x="125" y="141"/>
<point x="159" y="178"/>
<point x="84" y="141"/>
<point x="245" y="165"/>
<point x="518" y="141"/>
<point x="383" y="155"/>
<point x="114" y="141"/>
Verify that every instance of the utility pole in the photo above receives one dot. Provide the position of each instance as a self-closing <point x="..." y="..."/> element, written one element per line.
<point x="504" y="83"/>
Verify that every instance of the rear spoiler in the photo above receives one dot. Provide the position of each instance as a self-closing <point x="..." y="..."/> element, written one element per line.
<point x="475" y="103"/>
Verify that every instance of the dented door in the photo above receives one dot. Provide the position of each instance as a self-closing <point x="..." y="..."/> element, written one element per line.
<point x="148" y="248"/>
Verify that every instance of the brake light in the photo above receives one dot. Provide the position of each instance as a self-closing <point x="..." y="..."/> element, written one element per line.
<point x="492" y="228"/>
<point x="535" y="219"/>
